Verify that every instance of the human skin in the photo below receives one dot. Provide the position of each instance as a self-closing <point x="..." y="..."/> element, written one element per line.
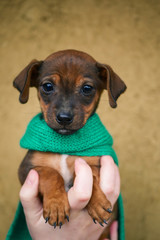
<point x="80" y="225"/>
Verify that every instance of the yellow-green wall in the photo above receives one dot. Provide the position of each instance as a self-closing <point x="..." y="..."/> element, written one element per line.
<point x="124" y="34"/>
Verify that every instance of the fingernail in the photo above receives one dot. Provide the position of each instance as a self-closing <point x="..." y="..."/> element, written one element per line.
<point x="107" y="158"/>
<point x="81" y="161"/>
<point x="31" y="177"/>
<point x="78" y="164"/>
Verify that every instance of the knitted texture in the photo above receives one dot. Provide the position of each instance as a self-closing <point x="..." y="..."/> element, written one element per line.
<point x="91" y="140"/>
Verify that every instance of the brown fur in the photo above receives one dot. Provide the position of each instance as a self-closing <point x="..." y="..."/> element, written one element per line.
<point x="75" y="81"/>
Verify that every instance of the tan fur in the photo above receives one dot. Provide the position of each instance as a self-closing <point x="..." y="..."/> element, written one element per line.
<point x="66" y="105"/>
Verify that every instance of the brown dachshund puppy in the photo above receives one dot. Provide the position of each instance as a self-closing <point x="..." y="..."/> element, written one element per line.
<point x="69" y="85"/>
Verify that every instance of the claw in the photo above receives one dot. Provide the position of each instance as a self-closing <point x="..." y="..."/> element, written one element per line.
<point x="101" y="224"/>
<point x="108" y="210"/>
<point x="54" y="224"/>
<point x="46" y="219"/>
<point x="67" y="218"/>
<point x="94" y="221"/>
<point x="60" y="225"/>
<point x="105" y="221"/>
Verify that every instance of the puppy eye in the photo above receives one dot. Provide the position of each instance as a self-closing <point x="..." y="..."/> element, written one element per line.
<point x="87" y="90"/>
<point x="48" y="87"/>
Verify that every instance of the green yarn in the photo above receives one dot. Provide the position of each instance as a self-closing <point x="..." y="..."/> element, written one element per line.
<point x="91" y="140"/>
<point x="18" y="230"/>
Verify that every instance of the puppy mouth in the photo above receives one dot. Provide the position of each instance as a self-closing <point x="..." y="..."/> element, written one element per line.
<point x="65" y="131"/>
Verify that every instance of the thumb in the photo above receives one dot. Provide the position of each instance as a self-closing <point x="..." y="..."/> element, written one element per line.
<point x="80" y="193"/>
<point x="29" y="197"/>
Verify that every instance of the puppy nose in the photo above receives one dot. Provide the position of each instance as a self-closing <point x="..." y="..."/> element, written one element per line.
<point x="64" y="118"/>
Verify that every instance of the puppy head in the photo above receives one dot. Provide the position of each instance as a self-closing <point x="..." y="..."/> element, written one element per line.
<point x="69" y="85"/>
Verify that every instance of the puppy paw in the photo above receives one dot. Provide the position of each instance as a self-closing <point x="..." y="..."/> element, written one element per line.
<point x="56" y="211"/>
<point x="99" y="208"/>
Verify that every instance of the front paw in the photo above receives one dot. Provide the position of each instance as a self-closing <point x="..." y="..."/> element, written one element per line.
<point x="99" y="208"/>
<point x="56" y="211"/>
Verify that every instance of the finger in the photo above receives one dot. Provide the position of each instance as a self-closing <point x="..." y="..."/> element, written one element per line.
<point x="114" y="230"/>
<point x="80" y="193"/>
<point x="109" y="178"/>
<point x="29" y="197"/>
<point x="117" y="185"/>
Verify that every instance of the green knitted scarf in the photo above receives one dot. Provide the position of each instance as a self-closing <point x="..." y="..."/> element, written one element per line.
<point x="91" y="140"/>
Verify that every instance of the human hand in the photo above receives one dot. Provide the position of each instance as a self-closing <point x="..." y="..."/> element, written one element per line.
<point x="80" y="225"/>
<point x="113" y="231"/>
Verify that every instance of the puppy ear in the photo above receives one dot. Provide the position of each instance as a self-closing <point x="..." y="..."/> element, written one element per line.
<point x="27" y="78"/>
<point x="112" y="82"/>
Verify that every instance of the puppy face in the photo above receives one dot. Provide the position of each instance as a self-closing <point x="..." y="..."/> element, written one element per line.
<point x="69" y="85"/>
<point x="69" y="90"/>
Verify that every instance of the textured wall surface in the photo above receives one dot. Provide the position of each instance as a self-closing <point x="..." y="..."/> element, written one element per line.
<point x="124" y="34"/>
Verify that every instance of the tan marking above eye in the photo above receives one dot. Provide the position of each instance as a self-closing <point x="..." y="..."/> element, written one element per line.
<point x="54" y="78"/>
<point x="80" y="81"/>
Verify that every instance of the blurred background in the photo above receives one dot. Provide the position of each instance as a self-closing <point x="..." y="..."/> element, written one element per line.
<point x="125" y="35"/>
